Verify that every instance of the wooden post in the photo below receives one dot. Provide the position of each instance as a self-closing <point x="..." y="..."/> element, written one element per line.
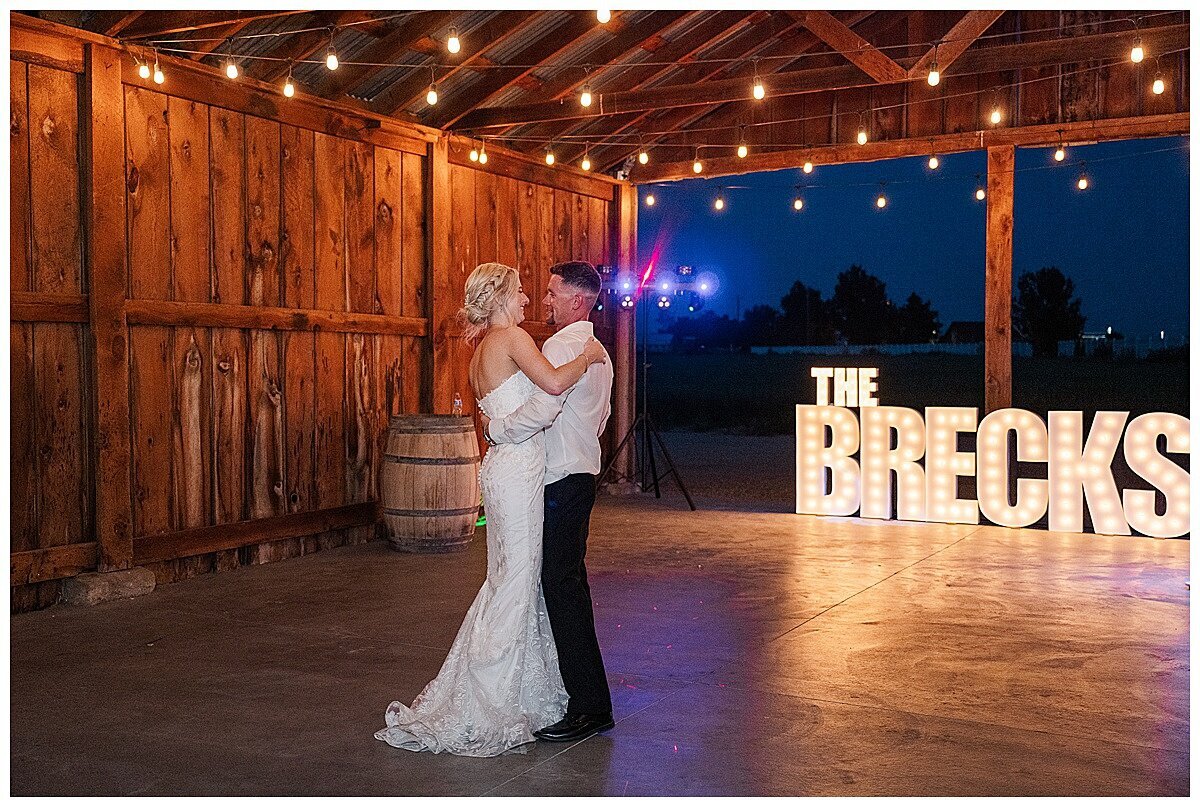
<point x="997" y="300"/>
<point x="108" y="275"/>
<point x="623" y="220"/>
<point x="441" y="298"/>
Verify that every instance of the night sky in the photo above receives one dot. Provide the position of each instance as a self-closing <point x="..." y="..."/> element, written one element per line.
<point x="1124" y="241"/>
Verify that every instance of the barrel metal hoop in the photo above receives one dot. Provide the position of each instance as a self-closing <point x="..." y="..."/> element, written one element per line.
<point x="430" y="460"/>
<point x="458" y="511"/>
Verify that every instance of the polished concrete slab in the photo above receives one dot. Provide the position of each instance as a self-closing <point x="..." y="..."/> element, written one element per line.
<point x="750" y="651"/>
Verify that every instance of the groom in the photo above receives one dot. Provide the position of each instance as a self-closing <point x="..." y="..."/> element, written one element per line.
<point x="573" y="422"/>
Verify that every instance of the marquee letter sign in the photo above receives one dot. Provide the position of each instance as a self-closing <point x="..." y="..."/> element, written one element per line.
<point x="893" y="440"/>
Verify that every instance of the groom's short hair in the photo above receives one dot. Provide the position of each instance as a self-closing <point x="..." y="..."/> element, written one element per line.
<point x="580" y="275"/>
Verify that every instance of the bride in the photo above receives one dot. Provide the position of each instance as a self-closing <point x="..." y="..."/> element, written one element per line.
<point x="500" y="681"/>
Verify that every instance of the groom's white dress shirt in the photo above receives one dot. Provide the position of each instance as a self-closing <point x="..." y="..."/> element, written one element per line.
<point x="574" y="420"/>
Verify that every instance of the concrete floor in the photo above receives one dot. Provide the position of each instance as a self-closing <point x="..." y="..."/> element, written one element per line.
<point x="750" y="652"/>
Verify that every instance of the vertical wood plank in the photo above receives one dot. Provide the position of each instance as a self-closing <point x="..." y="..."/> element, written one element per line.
<point x="108" y="282"/>
<point x="299" y="373"/>
<point x="564" y="234"/>
<point x="485" y="217"/>
<point x="580" y="224"/>
<point x="191" y="454"/>
<point x="416" y="355"/>
<point x="389" y="260"/>
<point x="18" y="184"/>
<point x="229" y="424"/>
<point x="452" y="223"/>
<point x="189" y="200"/>
<point x="359" y="175"/>
<point x="544" y="250"/>
<point x="329" y="239"/>
<point x="23" y="467"/>
<point x="360" y="429"/>
<point x="227" y="133"/>
<point x="330" y="456"/>
<point x="57" y="257"/>
<point x="597" y="231"/>
<point x="524" y="213"/>
<point x="265" y="397"/>
<point x="263" y="210"/>
<point x="508" y="231"/>
<point x="296" y="177"/>
<point x="150" y="415"/>
<point x="997" y="316"/>
<point x="148" y="194"/>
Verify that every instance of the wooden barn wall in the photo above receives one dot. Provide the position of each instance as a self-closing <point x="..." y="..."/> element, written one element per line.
<point x="269" y="293"/>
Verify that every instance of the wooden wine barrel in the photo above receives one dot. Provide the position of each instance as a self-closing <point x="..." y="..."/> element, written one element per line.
<point x="430" y="483"/>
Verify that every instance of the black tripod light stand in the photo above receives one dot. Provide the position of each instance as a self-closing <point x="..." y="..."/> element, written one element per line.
<point x="643" y="436"/>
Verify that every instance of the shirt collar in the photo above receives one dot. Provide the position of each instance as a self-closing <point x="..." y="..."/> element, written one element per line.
<point x="583" y="326"/>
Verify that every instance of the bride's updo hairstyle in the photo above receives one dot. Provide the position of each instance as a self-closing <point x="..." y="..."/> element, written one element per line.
<point x="488" y="289"/>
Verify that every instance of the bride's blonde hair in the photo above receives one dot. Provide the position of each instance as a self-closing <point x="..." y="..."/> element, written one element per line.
<point x="487" y="291"/>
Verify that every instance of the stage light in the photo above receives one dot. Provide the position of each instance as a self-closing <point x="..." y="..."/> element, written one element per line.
<point x="627" y="301"/>
<point x="603" y="16"/>
<point x="1137" y="53"/>
<point x="452" y="43"/>
<point x="665" y="286"/>
<point x="808" y="167"/>
<point x="650" y="200"/>
<point x="1159" y="86"/>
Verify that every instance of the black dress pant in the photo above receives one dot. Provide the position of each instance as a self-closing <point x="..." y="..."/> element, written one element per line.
<point x="569" y="504"/>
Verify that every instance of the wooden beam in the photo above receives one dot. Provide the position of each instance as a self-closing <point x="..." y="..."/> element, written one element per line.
<point x="1063" y="50"/>
<point x="514" y="164"/>
<point x="220" y="315"/>
<point x="857" y="50"/>
<point x="997" y="297"/>
<point x="345" y="79"/>
<point x="1176" y="123"/>
<point x="40" y="46"/>
<point x="957" y="39"/>
<point x="37" y="307"/>
<point x="111" y="23"/>
<point x="443" y="301"/>
<point x="217" y="38"/>
<point x="579" y="25"/>
<point x="497" y="30"/>
<point x="104" y="209"/>
<point x="623" y="237"/>
<point x="202" y="540"/>
<point x="160" y="23"/>
<point x="677" y="52"/>
<point x="51" y="563"/>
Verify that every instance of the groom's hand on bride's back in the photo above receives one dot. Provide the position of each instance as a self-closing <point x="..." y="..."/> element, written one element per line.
<point x="485" y="420"/>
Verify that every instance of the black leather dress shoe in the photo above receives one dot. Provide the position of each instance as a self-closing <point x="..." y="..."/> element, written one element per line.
<point x="575" y="727"/>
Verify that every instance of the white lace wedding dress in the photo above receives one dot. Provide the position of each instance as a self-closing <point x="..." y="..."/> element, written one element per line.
<point x="501" y="680"/>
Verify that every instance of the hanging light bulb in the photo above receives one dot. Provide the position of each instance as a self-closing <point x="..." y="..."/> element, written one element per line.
<point x="797" y="203"/>
<point x="980" y="194"/>
<point x="231" y="68"/>
<point x="996" y="115"/>
<point x="549" y="156"/>
<point x="452" y="42"/>
<point x="696" y="166"/>
<point x="586" y="163"/>
<point x="331" y="59"/>
<point x="807" y="167"/>
<point x="935" y="76"/>
<point x="758" y="90"/>
<point x="483" y="154"/>
<point x="643" y="156"/>
<point x="650" y="200"/>
<point x="881" y="200"/>
<point x="603" y="16"/>
<point x="719" y="204"/>
<point x="862" y="137"/>
<point x="431" y="97"/>
<point x="934" y="162"/>
<point x="1159" y="86"/>
<point x="1060" y="153"/>
<point x="585" y="97"/>
<point x="159" y="78"/>
<point x="143" y="68"/>
<point x="1137" y="53"/>
<point x="474" y="155"/>
<point x="289" y="89"/>
<point x="1082" y="182"/>
<point x="743" y="149"/>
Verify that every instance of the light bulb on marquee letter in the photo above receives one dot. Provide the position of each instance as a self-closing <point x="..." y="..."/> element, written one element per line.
<point x="879" y="460"/>
<point x="944" y="463"/>
<point x="991" y="452"/>
<point x="1077" y="473"/>
<point x="1160" y="471"/>
<point x="813" y="457"/>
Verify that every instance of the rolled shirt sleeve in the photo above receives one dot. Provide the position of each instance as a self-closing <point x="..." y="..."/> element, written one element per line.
<point x="541" y="409"/>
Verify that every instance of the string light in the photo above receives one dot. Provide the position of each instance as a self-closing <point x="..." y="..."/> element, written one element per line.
<point x="980" y="194"/>
<point x="996" y="115"/>
<point x="603" y="15"/>
<point x="719" y="203"/>
<point x="331" y="59"/>
<point x="585" y="97"/>
<point x="452" y="42"/>
<point x="697" y="167"/>
<point x="933" y="162"/>
<point x="431" y="97"/>
<point x="1060" y="153"/>
<point x="1137" y="53"/>
<point x="808" y="167"/>
<point x="881" y="200"/>
<point x="743" y="149"/>
<point x="759" y="91"/>
<point x="483" y="153"/>
<point x="650" y="200"/>
<point x="862" y="128"/>
<point x="474" y="155"/>
<point x="231" y="68"/>
<point x="143" y="68"/>
<point x="1159" y="86"/>
<point x="586" y="164"/>
<point x="159" y="78"/>
<point x="549" y="156"/>
<point x="797" y="203"/>
<point x="935" y="76"/>
<point x="1082" y="182"/>
<point x="643" y="156"/>
<point x="289" y="89"/>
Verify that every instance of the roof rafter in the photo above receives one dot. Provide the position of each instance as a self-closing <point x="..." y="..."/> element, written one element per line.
<point x="160" y="23"/>
<point x="964" y="34"/>
<point x="857" y="50"/>
<point x="111" y="23"/>
<point x="299" y="47"/>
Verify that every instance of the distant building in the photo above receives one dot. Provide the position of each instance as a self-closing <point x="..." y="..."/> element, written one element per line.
<point x="963" y="332"/>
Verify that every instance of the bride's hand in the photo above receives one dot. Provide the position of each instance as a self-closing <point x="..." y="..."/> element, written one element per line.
<point x="593" y="351"/>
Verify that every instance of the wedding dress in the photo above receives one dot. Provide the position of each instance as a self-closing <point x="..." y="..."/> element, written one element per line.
<point x="501" y="680"/>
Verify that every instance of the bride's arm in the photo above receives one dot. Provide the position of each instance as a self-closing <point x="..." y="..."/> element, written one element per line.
<point x="553" y="380"/>
<point x="537" y="413"/>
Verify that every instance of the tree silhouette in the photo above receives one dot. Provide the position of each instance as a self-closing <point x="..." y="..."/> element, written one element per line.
<point x="861" y="309"/>
<point x="760" y="325"/>
<point x="1045" y="311"/>
<point x="806" y="319"/>
<point x="917" y="321"/>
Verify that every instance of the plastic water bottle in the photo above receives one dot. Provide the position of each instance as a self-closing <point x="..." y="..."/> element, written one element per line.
<point x="457" y="410"/>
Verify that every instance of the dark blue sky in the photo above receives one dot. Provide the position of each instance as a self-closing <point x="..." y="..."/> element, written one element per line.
<point x="1124" y="241"/>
